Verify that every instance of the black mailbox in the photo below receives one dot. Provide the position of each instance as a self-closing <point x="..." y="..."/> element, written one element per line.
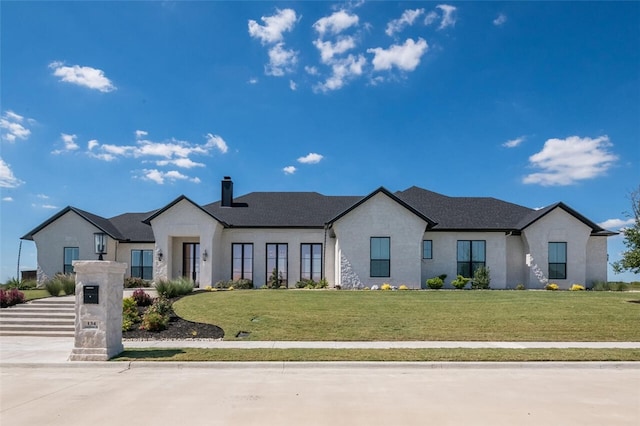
<point x="91" y="294"/>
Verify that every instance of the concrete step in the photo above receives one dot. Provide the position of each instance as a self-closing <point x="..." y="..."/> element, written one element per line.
<point x="27" y="333"/>
<point x="37" y="327"/>
<point x="50" y="317"/>
<point x="29" y="315"/>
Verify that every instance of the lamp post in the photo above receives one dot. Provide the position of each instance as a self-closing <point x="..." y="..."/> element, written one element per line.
<point x="100" y="240"/>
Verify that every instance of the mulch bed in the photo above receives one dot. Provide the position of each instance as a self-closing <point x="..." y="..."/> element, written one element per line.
<point x="177" y="329"/>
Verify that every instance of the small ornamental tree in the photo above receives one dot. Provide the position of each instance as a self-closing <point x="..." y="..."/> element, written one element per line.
<point x="631" y="257"/>
<point x="481" y="279"/>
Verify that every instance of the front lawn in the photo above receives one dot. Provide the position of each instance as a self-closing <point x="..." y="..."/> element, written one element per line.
<point x="417" y="315"/>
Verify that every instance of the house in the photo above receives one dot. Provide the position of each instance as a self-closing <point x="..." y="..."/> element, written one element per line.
<point x="399" y="238"/>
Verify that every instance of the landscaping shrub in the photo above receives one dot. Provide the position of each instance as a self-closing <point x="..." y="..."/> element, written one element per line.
<point x="239" y="284"/>
<point x="175" y="288"/>
<point x="141" y="298"/>
<point x="135" y="282"/>
<point x="311" y="284"/>
<point x="577" y="287"/>
<point x="609" y="286"/>
<point x="481" y="279"/>
<point x="385" y="287"/>
<point x="20" y="285"/>
<point x="130" y="315"/>
<point x="520" y="287"/>
<point x="435" y="283"/>
<point x="460" y="282"/>
<point x="551" y="287"/>
<point x="276" y="280"/>
<point x="53" y="286"/>
<point x="11" y="297"/>
<point x="64" y="283"/>
<point x="157" y="315"/>
<point x="403" y="287"/>
<point x="68" y="284"/>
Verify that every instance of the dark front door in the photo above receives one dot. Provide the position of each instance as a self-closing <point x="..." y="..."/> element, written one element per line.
<point x="191" y="261"/>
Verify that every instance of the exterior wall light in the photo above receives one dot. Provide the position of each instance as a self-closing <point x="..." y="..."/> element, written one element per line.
<point x="100" y="241"/>
<point x="205" y="255"/>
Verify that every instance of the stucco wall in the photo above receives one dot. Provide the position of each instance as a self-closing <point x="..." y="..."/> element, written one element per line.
<point x="380" y="216"/>
<point x="596" y="260"/>
<point x="123" y="253"/>
<point x="445" y="259"/>
<point x="184" y="222"/>
<point x="559" y="226"/>
<point x="263" y="236"/>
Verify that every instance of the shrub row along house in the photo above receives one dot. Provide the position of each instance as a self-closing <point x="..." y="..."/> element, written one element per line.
<point x="399" y="238"/>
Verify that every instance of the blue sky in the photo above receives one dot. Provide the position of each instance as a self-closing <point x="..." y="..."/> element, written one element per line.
<point x="117" y="107"/>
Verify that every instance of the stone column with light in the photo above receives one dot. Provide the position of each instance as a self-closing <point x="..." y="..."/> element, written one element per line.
<point x="99" y="289"/>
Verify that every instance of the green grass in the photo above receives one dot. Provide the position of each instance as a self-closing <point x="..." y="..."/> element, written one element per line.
<point x="35" y="294"/>
<point x="497" y="355"/>
<point x="418" y="315"/>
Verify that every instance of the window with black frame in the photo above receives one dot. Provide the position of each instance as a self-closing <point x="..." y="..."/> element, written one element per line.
<point x="471" y="256"/>
<point x="142" y="264"/>
<point x="380" y="257"/>
<point x="558" y="260"/>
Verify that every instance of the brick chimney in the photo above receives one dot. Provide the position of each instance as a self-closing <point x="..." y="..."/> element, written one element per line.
<point x="227" y="192"/>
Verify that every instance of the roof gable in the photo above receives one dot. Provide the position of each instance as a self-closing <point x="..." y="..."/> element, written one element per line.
<point x="175" y="202"/>
<point x="539" y="214"/>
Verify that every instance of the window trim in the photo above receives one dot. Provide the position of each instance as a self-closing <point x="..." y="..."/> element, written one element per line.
<point x="471" y="262"/>
<point x="312" y="272"/>
<point x="243" y="272"/>
<point x="555" y="275"/>
<point x="430" y="249"/>
<point x="372" y="259"/>
<point x="277" y="259"/>
<point x="143" y="266"/>
<point x="67" y="268"/>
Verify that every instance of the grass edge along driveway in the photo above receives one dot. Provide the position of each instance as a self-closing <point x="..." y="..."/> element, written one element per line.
<point x="322" y="315"/>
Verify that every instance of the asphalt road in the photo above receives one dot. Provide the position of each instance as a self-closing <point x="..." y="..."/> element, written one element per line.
<point x="320" y="394"/>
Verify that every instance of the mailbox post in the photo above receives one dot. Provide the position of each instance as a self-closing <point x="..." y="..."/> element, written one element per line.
<point x="99" y="288"/>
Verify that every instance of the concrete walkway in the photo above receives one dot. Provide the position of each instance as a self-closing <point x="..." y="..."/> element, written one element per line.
<point x="44" y="350"/>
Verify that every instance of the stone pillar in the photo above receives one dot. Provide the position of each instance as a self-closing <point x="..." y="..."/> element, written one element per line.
<point x="99" y="287"/>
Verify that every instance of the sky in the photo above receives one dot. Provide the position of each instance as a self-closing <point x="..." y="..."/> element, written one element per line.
<point x="115" y="107"/>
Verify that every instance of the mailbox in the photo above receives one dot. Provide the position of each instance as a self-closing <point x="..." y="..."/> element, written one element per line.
<point x="91" y="294"/>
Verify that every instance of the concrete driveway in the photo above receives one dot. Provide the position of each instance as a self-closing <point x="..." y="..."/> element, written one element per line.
<point x="321" y="394"/>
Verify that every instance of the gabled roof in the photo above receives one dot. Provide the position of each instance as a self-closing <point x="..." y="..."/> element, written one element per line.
<point x="398" y="200"/>
<point x="158" y="212"/>
<point x="281" y="209"/>
<point x="465" y="213"/>
<point x="536" y="215"/>
<point x="121" y="228"/>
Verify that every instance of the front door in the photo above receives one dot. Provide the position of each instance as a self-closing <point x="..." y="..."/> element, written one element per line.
<point x="191" y="261"/>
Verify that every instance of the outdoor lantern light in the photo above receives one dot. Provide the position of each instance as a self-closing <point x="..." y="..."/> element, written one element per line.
<point x="205" y="255"/>
<point x="100" y="240"/>
<point x="159" y="255"/>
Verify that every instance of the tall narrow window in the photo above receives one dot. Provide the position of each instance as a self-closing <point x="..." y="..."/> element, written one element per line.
<point x="427" y="249"/>
<point x="277" y="262"/>
<point x="142" y="264"/>
<point x="311" y="262"/>
<point x="70" y="254"/>
<point x="558" y="261"/>
<point x="471" y="256"/>
<point x="242" y="261"/>
<point x="380" y="257"/>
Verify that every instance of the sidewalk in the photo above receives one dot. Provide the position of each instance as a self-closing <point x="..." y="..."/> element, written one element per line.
<point x="43" y="350"/>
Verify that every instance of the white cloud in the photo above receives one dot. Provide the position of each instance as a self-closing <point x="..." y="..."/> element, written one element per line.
<point x="12" y="127"/>
<point x="92" y="78"/>
<point x="271" y="32"/>
<point x="407" y="19"/>
<point x="185" y="163"/>
<point x="311" y="158"/>
<point x="405" y="57"/>
<point x="570" y="160"/>
<point x="311" y="70"/>
<point x="69" y="144"/>
<point x="215" y="141"/>
<point x="281" y="61"/>
<point x="141" y="134"/>
<point x="7" y="178"/>
<point x="448" y="16"/>
<point x="159" y="177"/>
<point x="49" y="206"/>
<point x="431" y="18"/>
<point x="513" y="142"/>
<point x="42" y="196"/>
<point x="342" y="70"/>
<point x="253" y="81"/>
<point x="616" y="224"/>
<point x="501" y="19"/>
<point x="336" y="23"/>
<point x="8" y="199"/>
<point x="289" y="170"/>
<point x="328" y="49"/>
<point x="92" y="144"/>
<point x="292" y="85"/>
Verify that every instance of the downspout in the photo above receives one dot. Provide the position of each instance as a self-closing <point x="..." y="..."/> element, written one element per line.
<point x="324" y="251"/>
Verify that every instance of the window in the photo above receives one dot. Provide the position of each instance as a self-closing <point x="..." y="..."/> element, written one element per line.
<point x="558" y="261"/>
<point x="471" y="256"/>
<point x="311" y="262"/>
<point x="427" y="249"/>
<point x="277" y="261"/>
<point x="242" y="261"/>
<point x="142" y="264"/>
<point x="380" y="257"/>
<point x="70" y="254"/>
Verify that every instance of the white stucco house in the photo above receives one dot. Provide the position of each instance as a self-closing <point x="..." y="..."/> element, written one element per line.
<point x="398" y="238"/>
